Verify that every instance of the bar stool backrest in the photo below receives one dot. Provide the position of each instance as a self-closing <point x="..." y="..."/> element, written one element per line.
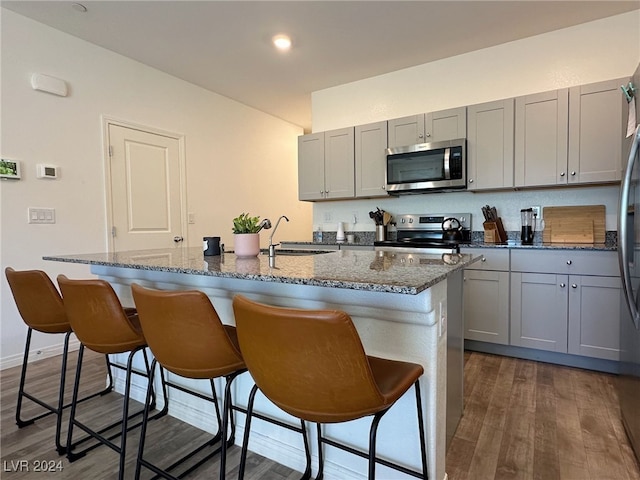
<point x="38" y="300"/>
<point x="185" y="334"/>
<point x="97" y="317"/>
<point x="311" y="363"/>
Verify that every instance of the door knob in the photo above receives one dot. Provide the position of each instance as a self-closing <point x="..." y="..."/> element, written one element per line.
<point x="178" y="239"/>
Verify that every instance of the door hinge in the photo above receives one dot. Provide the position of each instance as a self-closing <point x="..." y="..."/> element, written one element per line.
<point x="110" y="151"/>
<point x="113" y="231"/>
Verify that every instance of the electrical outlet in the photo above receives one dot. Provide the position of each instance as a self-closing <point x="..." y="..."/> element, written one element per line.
<point x="328" y="216"/>
<point x="354" y="217"/>
<point x="536" y="211"/>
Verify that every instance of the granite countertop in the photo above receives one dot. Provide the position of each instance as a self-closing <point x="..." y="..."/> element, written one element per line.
<point x="352" y="269"/>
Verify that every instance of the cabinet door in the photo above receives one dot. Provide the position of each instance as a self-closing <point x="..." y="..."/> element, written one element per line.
<point x="594" y="316"/>
<point x="311" y="166"/>
<point x="490" y="145"/>
<point x="446" y="125"/>
<point x="486" y="306"/>
<point x="597" y="128"/>
<point x="371" y="159"/>
<point x="541" y="137"/>
<point x="539" y="311"/>
<point x="339" y="169"/>
<point x="406" y="131"/>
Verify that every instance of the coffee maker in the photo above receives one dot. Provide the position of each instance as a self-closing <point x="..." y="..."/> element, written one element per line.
<point x="528" y="218"/>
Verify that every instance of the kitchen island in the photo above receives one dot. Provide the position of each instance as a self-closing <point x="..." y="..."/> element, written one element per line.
<point x="399" y="305"/>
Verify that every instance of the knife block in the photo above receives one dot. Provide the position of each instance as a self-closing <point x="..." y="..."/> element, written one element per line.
<point x="494" y="232"/>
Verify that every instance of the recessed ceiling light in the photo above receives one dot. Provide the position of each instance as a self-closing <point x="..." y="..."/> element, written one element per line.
<point x="79" y="7"/>
<point x="282" y="42"/>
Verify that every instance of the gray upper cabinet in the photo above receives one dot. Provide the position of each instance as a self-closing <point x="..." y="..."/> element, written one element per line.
<point x="311" y="166"/>
<point x="541" y="138"/>
<point x="371" y="159"/>
<point x="597" y="128"/>
<point x="429" y="127"/>
<point x="326" y="165"/>
<point x="490" y="143"/>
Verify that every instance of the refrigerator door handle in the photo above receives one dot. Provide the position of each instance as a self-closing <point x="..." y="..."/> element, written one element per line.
<point x="624" y="249"/>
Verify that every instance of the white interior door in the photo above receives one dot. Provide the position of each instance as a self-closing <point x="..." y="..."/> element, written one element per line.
<point x="147" y="205"/>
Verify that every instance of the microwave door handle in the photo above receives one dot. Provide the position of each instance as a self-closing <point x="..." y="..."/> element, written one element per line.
<point x="447" y="168"/>
<point x="626" y="247"/>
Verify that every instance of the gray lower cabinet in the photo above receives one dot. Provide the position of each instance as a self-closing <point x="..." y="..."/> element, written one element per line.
<point x="486" y="297"/>
<point x="539" y="311"/>
<point x="566" y="301"/>
<point x="594" y="313"/>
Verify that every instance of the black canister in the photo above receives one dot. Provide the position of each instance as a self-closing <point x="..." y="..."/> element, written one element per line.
<point x="211" y="246"/>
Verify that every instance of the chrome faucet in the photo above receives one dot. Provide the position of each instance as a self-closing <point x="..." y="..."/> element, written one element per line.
<point x="272" y="247"/>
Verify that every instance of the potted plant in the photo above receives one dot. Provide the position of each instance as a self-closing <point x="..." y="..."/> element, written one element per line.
<point x="246" y="241"/>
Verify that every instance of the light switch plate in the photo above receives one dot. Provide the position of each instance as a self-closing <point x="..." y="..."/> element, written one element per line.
<point x="41" y="215"/>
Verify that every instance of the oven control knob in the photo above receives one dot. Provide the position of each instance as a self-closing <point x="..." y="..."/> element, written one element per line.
<point x="411" y="220"/>
<point x="402" y="220"/>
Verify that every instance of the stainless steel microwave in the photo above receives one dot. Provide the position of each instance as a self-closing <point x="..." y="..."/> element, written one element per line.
<point x="427" y="167"/>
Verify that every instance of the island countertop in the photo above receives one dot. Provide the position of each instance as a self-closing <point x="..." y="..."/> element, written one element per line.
<point x="378" y="271"/>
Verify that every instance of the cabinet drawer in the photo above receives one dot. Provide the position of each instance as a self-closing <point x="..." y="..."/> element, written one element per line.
<point x="576" y="262"/>
<point x="492" y="258"/>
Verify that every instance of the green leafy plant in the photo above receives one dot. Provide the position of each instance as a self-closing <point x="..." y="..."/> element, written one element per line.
<point x="246" y="224"/>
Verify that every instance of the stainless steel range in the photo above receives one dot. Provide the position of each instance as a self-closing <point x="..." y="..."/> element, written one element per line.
<point x="420" y="237"/>
<point x="430" y="231"/>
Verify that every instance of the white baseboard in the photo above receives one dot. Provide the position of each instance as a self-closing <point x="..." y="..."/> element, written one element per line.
<point x="38" y="354"/>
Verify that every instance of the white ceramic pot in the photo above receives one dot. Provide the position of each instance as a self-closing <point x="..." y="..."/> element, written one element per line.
<point x="246" y="244"/>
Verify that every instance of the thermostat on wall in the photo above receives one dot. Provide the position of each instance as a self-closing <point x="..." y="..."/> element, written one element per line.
<point x="46" y="171"/>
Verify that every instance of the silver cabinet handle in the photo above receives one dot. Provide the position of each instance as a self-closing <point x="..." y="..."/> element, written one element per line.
<point x="471" y="180"/>
<point x="562" y="174"/>
<point x="562" y="285"/>
<point x="420" y="135"/>
<point x="573" y="285"/>
<point x="484" y="259"/>
<point x="573" y="174"/>
<point x="178" y="239"/>
<point x="428" y="134"/>
<point x="384" y="187"/>
<point x="569" y="262"/>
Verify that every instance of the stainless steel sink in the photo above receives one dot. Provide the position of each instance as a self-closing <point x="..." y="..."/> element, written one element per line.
<point x="296" y="253"/>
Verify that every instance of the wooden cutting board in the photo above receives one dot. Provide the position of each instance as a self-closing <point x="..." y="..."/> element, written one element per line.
<point x="580" y="224"/>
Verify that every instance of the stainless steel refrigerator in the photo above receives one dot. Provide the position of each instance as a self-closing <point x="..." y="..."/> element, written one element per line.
<point x="629" y="257"/>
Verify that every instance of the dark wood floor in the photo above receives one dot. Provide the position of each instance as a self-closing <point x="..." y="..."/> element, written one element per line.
<point x="522" y="420"/>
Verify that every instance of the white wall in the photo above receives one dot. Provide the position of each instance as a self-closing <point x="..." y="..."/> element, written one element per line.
<point x="592" y="52"/>
<point x="238" y="159"/>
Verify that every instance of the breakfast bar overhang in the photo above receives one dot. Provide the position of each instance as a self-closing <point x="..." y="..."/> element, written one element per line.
<point x="399" y="305"/>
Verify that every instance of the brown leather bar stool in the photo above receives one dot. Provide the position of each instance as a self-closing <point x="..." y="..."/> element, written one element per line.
<point x="311" y="364"/>
<point x="41" y="309"/>
<point x="102" y="325"/>
<point x="188" y="339"/>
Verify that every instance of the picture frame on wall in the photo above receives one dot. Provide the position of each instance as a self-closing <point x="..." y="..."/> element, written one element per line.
<point x="10" y="169"/>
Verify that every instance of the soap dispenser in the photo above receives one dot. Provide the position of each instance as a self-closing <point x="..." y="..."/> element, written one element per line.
<point x="340" y="233"/>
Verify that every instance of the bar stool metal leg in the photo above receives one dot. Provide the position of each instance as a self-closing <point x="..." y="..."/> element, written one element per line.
<point x="58" y="410"/>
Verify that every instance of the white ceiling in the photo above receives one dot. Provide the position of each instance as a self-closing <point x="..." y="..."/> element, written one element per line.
<point x="224" y="46"/>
